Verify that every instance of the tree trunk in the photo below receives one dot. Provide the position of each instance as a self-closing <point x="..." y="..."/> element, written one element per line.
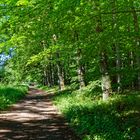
<point x="137" y="40"/>
<point x="132" y="67"/>
<point x="54" y="74"/>
<point x="50" y="74"/>
<point x="60" y="74"/>
<point x="45" y="77"/>
<point x="49" y="78"/>
<point x="80" y="69"/>
<point x="106" y="82"/>
<point x="60" y="69"/>
<point x="118" y="67"/>
<point x="116" y="45"/>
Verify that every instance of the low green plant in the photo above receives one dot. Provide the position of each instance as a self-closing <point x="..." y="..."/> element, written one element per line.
<point x="94" y="119"/>
<point x="9" y="95"/>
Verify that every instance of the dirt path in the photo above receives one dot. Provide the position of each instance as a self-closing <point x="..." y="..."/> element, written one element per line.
<point x="34" y="118"/>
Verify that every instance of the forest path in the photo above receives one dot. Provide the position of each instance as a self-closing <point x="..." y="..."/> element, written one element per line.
<point x="34" y="118"/>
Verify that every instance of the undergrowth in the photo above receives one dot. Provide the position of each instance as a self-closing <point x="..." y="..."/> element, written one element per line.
<point x="9" y="95"/>
<point x="93" y="119"/>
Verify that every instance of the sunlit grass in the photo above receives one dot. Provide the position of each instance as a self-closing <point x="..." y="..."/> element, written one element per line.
<point x="9" y="95"/>
<point x="93" y="119"/>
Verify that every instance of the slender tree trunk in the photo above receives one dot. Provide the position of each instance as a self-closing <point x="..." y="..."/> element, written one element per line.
<point x="116" y="45"/>
<point x="118" y="67"/>
<point x="131" y="62"/>
<point x="50" y="74"/>
<point x="54" y="75"/>
<point x="67" y="72"/>
<point x="49" y="78"/>
<point x="60" y="73"/>
<point x="106" y="82"/>
<point x="45" y="77"/>
<point x="132" y="66"/>
<point x="137" y="40"/>
<point x="80" y="69"/>
<point x="60" y="69"/>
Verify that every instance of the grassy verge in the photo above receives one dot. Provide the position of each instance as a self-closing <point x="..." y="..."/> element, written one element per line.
<point x="93" y="119"/>
<point x="9" y="95"/>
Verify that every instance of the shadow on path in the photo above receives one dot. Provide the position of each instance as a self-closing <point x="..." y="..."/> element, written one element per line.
<point x="34" y="118"/>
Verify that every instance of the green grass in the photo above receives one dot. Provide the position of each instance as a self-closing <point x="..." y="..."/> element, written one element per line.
<point x="48" y="89"/>
<point x="93" y="119"/>
<point x="10" y="95"/>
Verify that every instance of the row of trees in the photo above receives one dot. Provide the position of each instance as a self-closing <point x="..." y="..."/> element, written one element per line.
<point x="73" y="42"/>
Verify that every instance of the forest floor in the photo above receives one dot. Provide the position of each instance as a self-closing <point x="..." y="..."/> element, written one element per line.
<point x="34" y="118"/>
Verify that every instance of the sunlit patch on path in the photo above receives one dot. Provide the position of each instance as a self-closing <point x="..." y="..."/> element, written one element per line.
<point x="34" y="118"/>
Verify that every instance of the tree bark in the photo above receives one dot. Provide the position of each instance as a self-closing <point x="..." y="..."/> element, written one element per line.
<point x="80" y="69"/>
<point x="137" y="40"/>
<point x="60" y="73"/>
<point x="116" y="45"/>
<point x="60" y="69"/>
<point x="106" y="82"/>
<point x="45" y="77"/>
<point x="49" y="75"/>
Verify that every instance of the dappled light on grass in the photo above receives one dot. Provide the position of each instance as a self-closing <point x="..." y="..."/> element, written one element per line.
<point x="35" y="118"/>
<point x="9" y="95"/>
<point x="116" y="119"/>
